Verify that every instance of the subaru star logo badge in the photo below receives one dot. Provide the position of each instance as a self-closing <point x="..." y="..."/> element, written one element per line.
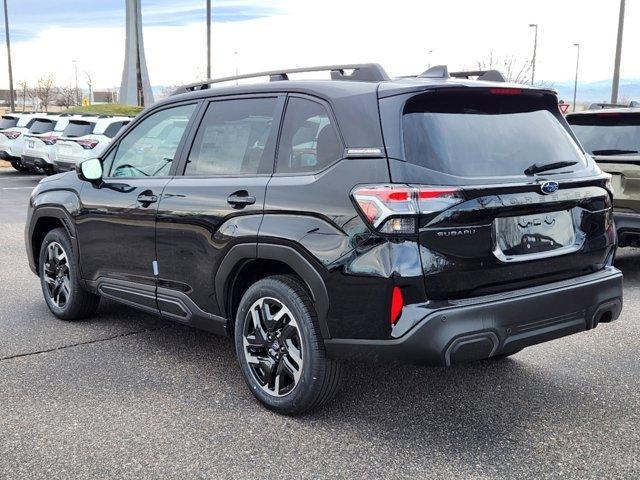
<point x="549" y="187"/>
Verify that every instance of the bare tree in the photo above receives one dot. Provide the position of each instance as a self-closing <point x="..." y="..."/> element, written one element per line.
<point x="66" y="96"/>
<point x="45" y="91"/>
<point x="513" y="69"/>
<point x="32" y="95"/>
<point x="24" y="88"/>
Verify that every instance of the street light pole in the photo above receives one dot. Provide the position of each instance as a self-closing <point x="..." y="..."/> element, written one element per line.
<point x="6" y="30"/>
<point x="535" y="48"/>
<point x="575" y="85"/>
<point x="208" y="39"/>
<point x="616" y="67"/>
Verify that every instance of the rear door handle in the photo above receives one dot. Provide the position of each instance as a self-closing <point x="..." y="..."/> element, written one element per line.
<point x="147" y="197"/>
<point x="240" y="199"/>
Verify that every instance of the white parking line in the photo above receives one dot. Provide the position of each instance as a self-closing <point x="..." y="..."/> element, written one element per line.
<point x="17" y="188"/>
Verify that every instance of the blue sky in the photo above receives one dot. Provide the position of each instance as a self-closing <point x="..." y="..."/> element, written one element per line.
<point x="29" y="16"/>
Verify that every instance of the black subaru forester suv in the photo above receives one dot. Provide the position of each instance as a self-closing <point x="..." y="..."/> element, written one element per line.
<point x="433" y="219"/>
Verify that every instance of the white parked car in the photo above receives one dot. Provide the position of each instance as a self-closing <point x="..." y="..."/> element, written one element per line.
<point x="85" y="137"/>
<point x="39" y="143"/>
<point x="12" y="138"/>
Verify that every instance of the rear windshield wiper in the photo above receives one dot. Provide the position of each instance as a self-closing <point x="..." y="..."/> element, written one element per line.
<point x="613" y="151"/>
<point x="544" y="167"/>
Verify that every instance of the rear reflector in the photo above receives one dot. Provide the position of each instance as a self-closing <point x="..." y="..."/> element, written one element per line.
<point x="397" y="303"/>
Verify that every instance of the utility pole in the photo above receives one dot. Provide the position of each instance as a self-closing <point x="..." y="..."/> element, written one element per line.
<point x="535" y="48"/>
<point x="6" y="31"/>
<point x="575" y="85"/>
<point x="208" y="39"/>
<point x="616" y="67"/>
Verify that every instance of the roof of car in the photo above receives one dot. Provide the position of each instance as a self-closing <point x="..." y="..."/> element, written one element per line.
<point x="332" y="89"/>
<point x="605" y="111"/>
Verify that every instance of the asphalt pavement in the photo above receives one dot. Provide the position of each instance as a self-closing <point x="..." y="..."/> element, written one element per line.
<point x="127" y="395"/>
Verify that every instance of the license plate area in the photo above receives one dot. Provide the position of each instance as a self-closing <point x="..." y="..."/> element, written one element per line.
<point x="531" y="237"/>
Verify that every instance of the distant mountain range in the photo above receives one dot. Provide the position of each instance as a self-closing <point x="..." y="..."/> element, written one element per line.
<point x="599" y="91"/>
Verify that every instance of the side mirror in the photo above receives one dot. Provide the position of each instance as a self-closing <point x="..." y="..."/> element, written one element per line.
<point x="90" y="170"/>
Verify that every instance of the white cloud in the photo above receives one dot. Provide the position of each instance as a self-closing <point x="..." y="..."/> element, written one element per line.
<point x="396" y="34"/>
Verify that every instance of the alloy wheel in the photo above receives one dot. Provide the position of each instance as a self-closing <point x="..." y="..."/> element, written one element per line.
<point x="57" y="275"/>
<point x="272" y="346"/>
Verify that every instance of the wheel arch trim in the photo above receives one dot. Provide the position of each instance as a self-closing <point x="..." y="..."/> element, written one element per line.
<point x="57" y="213"/>
<point x="239" y="254"/>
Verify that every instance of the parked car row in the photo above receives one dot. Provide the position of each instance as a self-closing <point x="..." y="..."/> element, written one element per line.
<point x="611" y="135"/>
<point x="53" y="143"/>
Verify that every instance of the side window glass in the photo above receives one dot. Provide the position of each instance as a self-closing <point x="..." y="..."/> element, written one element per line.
<point x="232" y="138"/>
<point x="309" y="141"/>
<point x="149" y="149"/>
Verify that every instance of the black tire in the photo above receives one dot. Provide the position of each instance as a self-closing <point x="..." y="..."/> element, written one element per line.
<point x="319" y="377"/>
<point x="16" y="164"/>
<point x="56" y="278"/>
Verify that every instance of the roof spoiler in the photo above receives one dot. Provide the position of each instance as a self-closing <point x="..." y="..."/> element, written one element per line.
<point x="442" y="71"/>
<point x="362" y="72"/>
<point x="601" y="106"/>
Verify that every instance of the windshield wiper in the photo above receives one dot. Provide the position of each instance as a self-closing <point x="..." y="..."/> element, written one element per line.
<point x="544" y="167"/>
<point x="613" y="151"/>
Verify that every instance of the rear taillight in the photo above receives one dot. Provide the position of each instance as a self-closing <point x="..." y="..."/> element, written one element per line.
<point x="49" y="140"/>
<point x="394" y="209"/>
<point x="397" y="304"/>
<point x="12" y="134"/>
<point x="87" y="144"/>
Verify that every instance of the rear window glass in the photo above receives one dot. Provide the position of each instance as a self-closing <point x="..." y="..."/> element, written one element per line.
<point x="78" y="128"/>
<point x="8" y="122"/>
<point x="41" y="125"/>
<point x="608" y="133"/>
<point x="114" y="128"/>
<point x="469" y="134"/>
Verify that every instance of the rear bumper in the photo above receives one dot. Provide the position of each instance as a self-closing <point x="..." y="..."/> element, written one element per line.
<point x="29" y="160"/>
<point x="492" y="325"/>
<point x="64" y="166"/>
<point x="6" y="155"/>
<point x="628" y="228"/>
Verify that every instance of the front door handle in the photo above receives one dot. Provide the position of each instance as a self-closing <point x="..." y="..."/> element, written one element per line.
<point x="147" y="197"/>
<point x="240" y="199"/>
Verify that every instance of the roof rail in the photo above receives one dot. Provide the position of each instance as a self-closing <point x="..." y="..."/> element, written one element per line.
<point x="601" y="106"/>
<point x="441" y="71"/>
<point x="362" y="72"/>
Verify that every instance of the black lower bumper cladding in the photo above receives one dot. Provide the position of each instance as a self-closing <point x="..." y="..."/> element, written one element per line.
<point x="497" y="324"/>
<point x="628" y="228"/>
